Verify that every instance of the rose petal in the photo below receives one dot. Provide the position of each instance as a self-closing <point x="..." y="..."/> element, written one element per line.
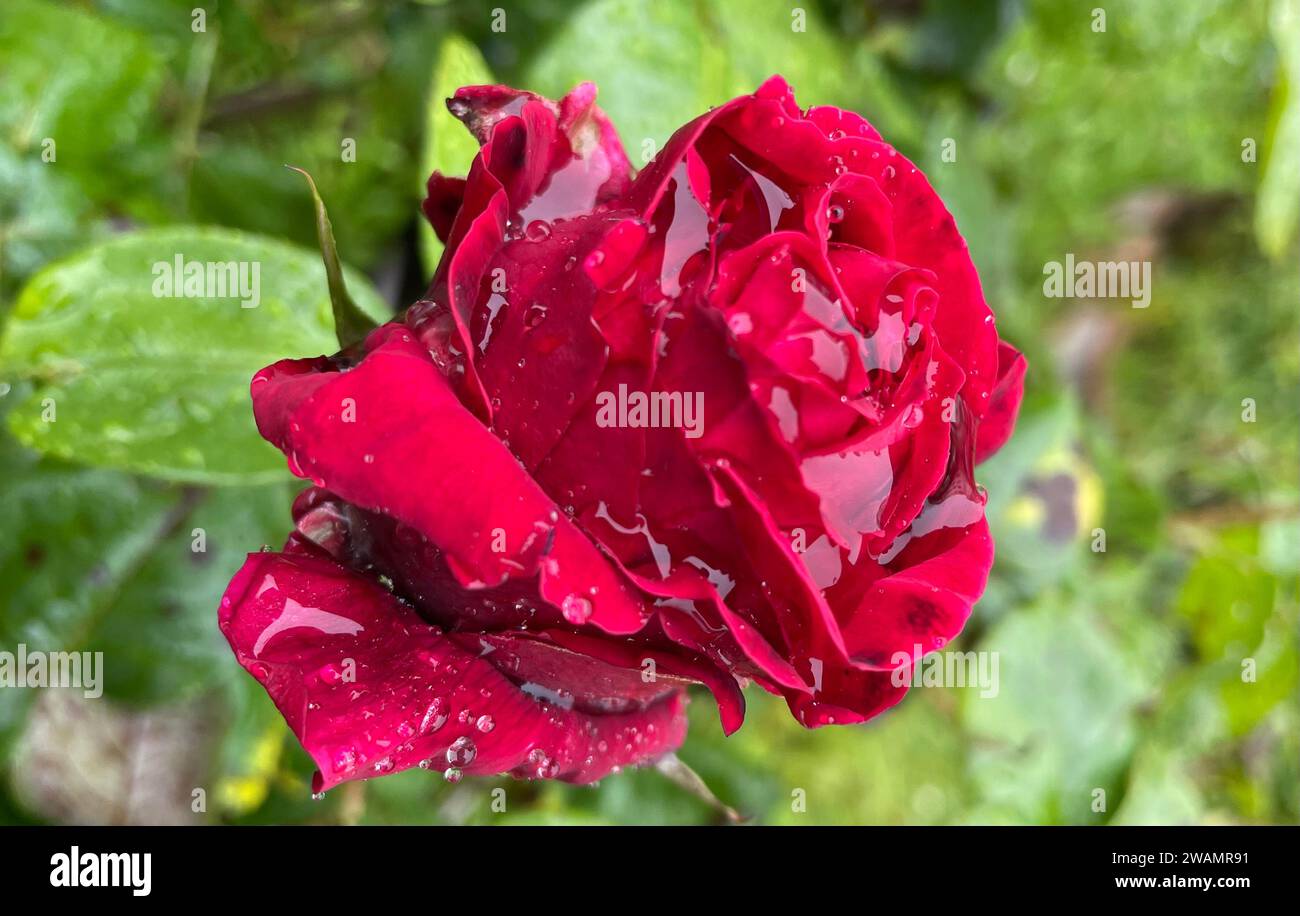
<point x="1004" y="403"/>
<point x="537" y="340"/>
<point x="442" y="202"/>
<point x="847" y="696"/>
<point x="923" y="607"/>
<point x="390" y="454"/>
<point x="419" y="572"/>
<point x="369" y="688"/>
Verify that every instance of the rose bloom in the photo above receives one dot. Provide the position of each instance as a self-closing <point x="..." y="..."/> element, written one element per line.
<point x="507" y="565"/>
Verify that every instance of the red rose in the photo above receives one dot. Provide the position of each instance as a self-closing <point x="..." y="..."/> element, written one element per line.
<point x="713" y="423"/>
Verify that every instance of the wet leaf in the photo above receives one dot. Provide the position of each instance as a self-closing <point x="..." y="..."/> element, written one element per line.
<point x="106" y="562"/>
<point x="130" y="380"/>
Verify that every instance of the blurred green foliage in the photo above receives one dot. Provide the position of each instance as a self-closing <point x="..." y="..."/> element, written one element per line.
<point x="1145" y="605"/>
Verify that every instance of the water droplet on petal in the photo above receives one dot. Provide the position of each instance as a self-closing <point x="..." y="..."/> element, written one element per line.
<point x="535" y="315"/>
<point x="435" y="717"/>
<point x="462" y="752"/>
<point x="576" y="609"/>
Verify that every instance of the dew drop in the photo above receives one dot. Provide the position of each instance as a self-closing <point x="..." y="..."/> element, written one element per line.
<point x="535" y="315"/>
<point x="461" y="752"/>
<point x="576" y="609"/>
<point x="740" y="323"/>
<point x="435" y="717"/>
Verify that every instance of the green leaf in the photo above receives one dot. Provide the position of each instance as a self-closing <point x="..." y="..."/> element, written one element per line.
<point x="82" y="81"/>
<point x="75" y="532"/>
<point x="130" y="380"/>
<point x="661" y="65"/>
<point x="350" y="323"/>
<point x="1227" y="598"/>
<point x="1064" y="720"/>
<point x="1278" y="211"/>
<point x="448" y="147"/>
<point x="76" y="95"/>
<point x="106" y="562"/>
<point x="654" y="63"/>
<point x="1161" y="790"/>
<point x="160" y="631"/>
<point x="1276" y="676"/>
